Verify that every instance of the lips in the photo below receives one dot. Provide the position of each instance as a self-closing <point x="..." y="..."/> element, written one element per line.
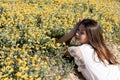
<point x="77" y="40"/>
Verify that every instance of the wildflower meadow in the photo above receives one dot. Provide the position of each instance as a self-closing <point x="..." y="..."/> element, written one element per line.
<point x="29" y="29"/>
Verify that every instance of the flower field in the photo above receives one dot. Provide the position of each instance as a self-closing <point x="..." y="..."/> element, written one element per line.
<point x="29" y="29"/>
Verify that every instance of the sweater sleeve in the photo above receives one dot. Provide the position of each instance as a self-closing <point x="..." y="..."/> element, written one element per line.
<point x="74" y="51"/>
<point x="78" y="58"/>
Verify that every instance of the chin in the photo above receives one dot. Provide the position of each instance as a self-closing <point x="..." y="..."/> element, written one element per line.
<point x="77" y="42"/>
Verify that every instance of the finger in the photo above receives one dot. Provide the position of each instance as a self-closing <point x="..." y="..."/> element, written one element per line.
<point x="81" y="19"/>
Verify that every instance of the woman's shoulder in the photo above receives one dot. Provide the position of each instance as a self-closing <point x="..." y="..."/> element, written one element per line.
<point x="86" y="49"/>
<point x="82" y="46"/>
<point x="74" y="51"/>
<point x="73" y="48"/>
<point x="86" y="46"/>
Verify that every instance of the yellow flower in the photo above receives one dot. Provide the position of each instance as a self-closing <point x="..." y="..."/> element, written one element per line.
<point x="58" y="44"/>
<point x="25" y="76"/>
<point x="19" y="74"/>
<point x="38" y="79"/>
<point x="3" y="69"/>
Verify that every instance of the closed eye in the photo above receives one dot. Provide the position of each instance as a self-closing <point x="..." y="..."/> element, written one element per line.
<point x="82" y="32"/>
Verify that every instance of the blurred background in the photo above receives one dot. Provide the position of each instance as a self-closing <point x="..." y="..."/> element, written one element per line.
<point x="29" y="29"/>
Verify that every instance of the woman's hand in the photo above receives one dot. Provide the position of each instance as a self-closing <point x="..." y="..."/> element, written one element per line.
<point x="67" y="38"/>
<point x="67" y="54"/>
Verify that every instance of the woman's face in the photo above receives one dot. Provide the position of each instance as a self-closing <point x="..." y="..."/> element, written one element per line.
<point x="81" y="36"/>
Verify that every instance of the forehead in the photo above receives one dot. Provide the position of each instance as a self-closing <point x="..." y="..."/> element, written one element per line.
<point x="81" y="27"/>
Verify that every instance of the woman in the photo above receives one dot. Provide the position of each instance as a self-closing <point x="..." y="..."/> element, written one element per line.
<point x="94" y="59"/>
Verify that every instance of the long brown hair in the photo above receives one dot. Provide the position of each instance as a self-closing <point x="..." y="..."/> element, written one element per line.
<point x="95" y="39"/>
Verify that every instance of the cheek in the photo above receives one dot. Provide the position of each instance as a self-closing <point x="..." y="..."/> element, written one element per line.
<point x="84" y="38"/>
